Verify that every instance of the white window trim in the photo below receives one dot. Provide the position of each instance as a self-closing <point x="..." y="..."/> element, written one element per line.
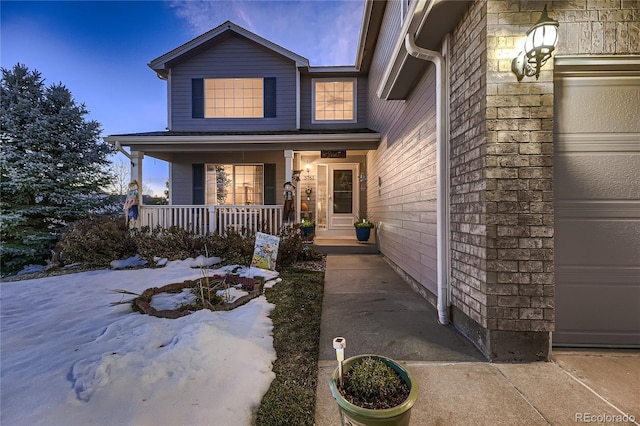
<point x="231" y="117"/>
<point x="233" y="196"/>
<point x="313" y="100"/>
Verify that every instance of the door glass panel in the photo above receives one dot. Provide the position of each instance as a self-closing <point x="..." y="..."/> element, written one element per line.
<point x="343" y="191"/>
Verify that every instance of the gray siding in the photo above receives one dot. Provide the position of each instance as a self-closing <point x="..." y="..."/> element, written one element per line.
<point x="306" y="109"/>
<point x="234" y="57"/>
<point x="181" y="173"/>
<point x="402" y="172"/>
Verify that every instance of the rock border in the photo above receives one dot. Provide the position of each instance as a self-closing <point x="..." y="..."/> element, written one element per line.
<point x="142" y="303"/>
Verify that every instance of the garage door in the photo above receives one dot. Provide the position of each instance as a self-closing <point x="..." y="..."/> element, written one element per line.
<point x="597" y="201"/>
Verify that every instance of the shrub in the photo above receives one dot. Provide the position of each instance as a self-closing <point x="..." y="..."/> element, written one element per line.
<point x="96" y="241"/>
<point x="291" y="247"/>
<point x="174" y="243"/>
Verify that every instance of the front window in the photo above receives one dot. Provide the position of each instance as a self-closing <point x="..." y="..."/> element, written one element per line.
<point x="334" y="100"/>
<point x="229" y="184"/>
<point x="233" y="97"/>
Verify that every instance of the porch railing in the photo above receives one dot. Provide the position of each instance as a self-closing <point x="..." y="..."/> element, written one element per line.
<point x="213" y="219"/>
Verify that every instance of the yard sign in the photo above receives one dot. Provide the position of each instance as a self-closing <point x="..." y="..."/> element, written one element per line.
<point x="265" y="252"/>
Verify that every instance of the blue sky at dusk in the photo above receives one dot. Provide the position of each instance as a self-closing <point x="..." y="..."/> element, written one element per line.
<point x="100" y="49"/>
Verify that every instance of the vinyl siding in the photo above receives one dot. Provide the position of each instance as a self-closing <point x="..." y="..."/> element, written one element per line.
<point x="234" y="57"/>
<point x="306" y="109"/>
<point x="402" y="172"/>
<point x="182" y="173"/>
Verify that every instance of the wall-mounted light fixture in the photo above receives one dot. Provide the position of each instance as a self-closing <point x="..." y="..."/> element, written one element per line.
<point x="541" y="41"/>
<point x="307" y="167"/>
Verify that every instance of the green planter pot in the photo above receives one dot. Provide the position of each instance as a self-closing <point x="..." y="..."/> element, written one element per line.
<point x="357" y="416"/>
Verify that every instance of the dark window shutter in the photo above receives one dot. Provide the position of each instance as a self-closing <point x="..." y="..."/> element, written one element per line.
<point x="270" y="184"/>
<point x="197" y="98"/>
<point x="270" y="97"/>
<point x="198" y="184"/>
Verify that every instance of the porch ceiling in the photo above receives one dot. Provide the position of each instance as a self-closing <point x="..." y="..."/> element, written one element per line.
<point x="164" y="144"/>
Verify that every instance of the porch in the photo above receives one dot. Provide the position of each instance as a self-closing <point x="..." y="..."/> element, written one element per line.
<point x="204" y="220"/>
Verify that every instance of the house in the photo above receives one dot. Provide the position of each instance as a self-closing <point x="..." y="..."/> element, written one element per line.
<point x="513" y="206"/>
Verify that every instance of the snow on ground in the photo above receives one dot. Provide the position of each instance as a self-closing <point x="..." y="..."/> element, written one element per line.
<point x="70" y="358"/>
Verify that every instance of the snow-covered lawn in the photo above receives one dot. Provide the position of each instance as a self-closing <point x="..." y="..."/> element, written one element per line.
<point x="70" y="358"/>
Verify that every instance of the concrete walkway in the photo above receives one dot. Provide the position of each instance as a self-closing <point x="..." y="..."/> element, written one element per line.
<point x="366" y="302"/>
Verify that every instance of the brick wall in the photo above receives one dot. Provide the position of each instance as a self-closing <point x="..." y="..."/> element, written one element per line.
<point x="468" y="140"/>
<point x="502" y="166"/>
<point x="519" y="182"/>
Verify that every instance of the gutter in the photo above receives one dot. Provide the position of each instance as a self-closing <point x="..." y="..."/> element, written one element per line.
<point x="442" y="168"/>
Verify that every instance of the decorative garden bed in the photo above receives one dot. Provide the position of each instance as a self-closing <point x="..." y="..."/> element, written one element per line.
<point x="142" y="303"/>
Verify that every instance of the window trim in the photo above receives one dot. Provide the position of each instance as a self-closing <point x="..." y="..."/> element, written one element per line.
<point x="313" y="100"/>
<point x="233" y="196"/>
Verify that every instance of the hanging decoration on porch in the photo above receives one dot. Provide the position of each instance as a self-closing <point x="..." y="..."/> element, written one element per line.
<point x="131" y="202"/>
<point x="289" y="196"/>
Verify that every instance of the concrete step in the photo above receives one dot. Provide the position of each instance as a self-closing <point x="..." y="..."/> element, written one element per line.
<point x="344" y="246"/>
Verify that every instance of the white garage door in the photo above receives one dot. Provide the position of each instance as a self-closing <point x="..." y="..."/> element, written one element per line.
<point x="597" y="201"/>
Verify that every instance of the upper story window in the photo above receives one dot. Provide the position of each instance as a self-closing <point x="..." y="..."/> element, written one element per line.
<point x="334" y="100"/>
<point x="233" y="97"/>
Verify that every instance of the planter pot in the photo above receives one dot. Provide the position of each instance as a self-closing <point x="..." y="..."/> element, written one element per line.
<point x="308" y="232"/>
<point x="353" y="415"/>
<point x="363" y="233"/>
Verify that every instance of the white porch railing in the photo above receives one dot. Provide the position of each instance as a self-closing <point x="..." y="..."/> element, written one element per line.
<point x="212" y="219"/>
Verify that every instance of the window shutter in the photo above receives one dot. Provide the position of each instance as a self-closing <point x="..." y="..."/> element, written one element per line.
<point x="197" y="98"/>
<point x="269" y="97"/>
<point x="270" y="184"/>
<point x="198" y="184"/>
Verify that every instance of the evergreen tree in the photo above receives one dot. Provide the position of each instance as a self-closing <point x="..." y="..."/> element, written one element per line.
<point x="51" y="165"/>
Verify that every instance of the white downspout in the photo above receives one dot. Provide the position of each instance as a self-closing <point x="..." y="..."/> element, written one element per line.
<point x="442" y="172"/>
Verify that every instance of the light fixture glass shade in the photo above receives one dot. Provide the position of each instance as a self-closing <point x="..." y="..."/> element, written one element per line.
<point x="540" y="43"/>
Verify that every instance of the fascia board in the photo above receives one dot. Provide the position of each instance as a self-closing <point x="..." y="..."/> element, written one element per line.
<point x="222" y="139"/>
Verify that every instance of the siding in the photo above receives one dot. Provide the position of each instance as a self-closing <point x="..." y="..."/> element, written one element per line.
<point x="306" y="110"/>
<point x="234" y="57"/>
<point x="181" y="172"/>
<point x="402" y="173"/>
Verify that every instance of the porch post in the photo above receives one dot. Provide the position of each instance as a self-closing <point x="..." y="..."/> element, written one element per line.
<point x="288" y="165"/>
<point x="136" y="170"/>
<point x="288" y="168"/>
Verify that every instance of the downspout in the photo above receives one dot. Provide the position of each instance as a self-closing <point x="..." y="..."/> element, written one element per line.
<point x="442" y="171"/>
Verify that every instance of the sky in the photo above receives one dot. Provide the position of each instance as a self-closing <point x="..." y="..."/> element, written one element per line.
<point x="100" y="49"/>
<point x="78" y="360"/>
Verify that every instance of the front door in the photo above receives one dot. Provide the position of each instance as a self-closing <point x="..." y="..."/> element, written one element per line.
<point x="343" y="195"/>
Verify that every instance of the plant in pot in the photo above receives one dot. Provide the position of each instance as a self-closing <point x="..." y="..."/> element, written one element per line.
<point x="308" y="229"/>
<point x="363" y="229"/>
<point x="372" y="389"/>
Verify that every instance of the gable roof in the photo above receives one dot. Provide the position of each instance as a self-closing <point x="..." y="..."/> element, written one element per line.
<point x="162" y="64"/>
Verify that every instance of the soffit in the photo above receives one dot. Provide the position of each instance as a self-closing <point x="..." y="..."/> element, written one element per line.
<point x="172" y="142"/>
<point x="429" y="21"/>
